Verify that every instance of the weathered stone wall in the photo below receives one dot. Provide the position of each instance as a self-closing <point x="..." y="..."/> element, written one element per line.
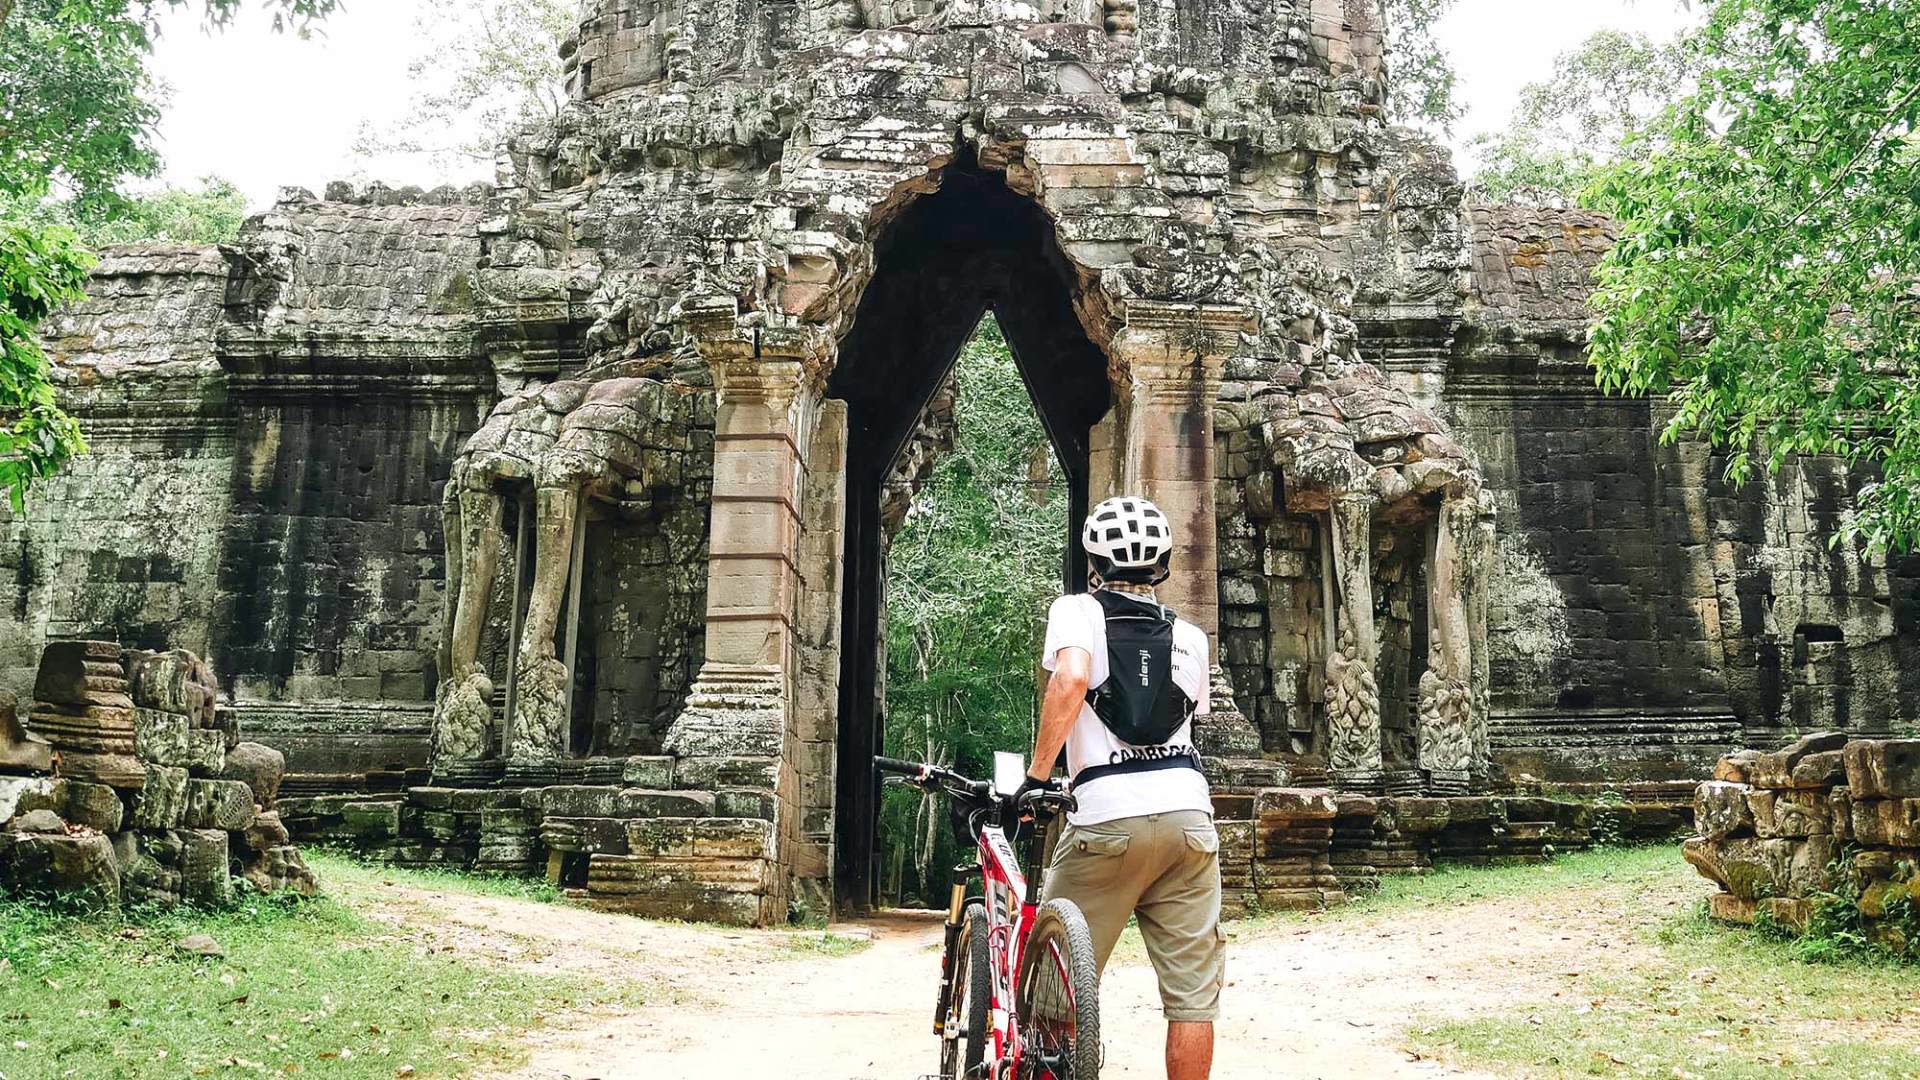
<point x="127" y="541"/>
<point x="1643" y="607"/>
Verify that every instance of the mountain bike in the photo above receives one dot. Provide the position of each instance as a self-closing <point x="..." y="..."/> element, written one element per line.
<point x="1019" y="990"/>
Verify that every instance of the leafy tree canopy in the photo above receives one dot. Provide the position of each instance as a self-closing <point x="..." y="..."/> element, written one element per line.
<point x="1568" y="129"/>
<point x="76" y="119"/>
<point x="1421" y="76"/>
<point x="1767" y="277"/>
<point x="482" y="70"/>
<point x="969" y="578"/>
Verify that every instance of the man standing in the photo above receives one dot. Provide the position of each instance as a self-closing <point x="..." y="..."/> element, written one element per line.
<point x="1128" y="677"/>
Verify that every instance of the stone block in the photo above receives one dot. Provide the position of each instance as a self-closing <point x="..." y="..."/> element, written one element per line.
<point x="175" y="682"/>
<point x="371" y="819"/>
<point x="1735" y="767"/>
<point x="1883" y="768"/>
<point x="259" y="767"/>
<point x="713" y="773"/>
<point x="34" y="792"/>
<point x="1722" y="809"/>
<point x="226" y="805"/>
<point x="95" y="806"/>
<point x="265" y="833"/>
<point x="280" y="869"/>
<point x="574" y="800"/>
<point x="206" y="751"/>
<point x="162" y="800"/>
<point x="655" y="773"/>
<point x="160" y="738"/>
<point x="204" y="877"/>
<point x="1790" y="813"/>
<point x="21" y="751"/>
<point x="1820" y="770"/>
<point x="80" y="673"/>
<point x="1885" y="822"/>
<point x="77" y="870"/>
<point x="592" y="835"/>
<point x="641" y="803"/>
<point x="746" y="803"/>
<point x="1775" y="770"/>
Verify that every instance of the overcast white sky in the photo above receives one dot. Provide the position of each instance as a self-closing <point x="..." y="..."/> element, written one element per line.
<point x="265" y="110"/>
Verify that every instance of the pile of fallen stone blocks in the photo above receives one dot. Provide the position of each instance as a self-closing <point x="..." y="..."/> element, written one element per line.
<point x="128" y="784"/>
<point x="1822" y="818"/>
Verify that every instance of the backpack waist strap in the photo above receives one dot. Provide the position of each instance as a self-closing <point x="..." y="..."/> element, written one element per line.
<point x="1138" y="765"/>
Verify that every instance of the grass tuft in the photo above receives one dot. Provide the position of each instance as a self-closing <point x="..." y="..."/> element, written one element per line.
<point x="305" y="986"/>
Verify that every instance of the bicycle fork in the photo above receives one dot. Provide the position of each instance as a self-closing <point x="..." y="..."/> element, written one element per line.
<point x="956" y="918"/>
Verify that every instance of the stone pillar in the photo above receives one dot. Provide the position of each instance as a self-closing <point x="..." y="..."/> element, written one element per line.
<point x="1446" y="695"/>
<point x="1173" y="356"/>
<point x="537" y="731"/>
<point x="1479" y="573"/>
<point x="814" y="727"/>
<point x="767" y="397"/>
<point x="463" y="702"/>
<point x="1353" y="696"/>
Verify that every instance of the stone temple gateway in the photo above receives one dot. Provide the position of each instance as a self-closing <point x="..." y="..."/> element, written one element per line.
<point x="542" y="526"/>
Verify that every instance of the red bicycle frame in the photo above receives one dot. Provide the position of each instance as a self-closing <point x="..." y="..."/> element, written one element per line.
<point x="1010" y="900"/>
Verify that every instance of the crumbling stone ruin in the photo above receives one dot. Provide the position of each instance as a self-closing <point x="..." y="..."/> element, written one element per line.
<point x="129" y="785"/>
<point x="542" y="525"/>
<point x="1827" y="819"/>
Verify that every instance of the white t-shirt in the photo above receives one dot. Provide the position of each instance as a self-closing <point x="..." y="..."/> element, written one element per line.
<point x="1078" y="621"/>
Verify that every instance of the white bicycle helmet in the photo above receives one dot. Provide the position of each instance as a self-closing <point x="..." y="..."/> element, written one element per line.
<point x="1128" y="539"/>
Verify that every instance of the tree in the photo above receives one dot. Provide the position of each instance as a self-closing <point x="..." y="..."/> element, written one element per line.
<point x="1567" y="130"/>
<point x="76" y="119"/>
<point x="482" y="70"/>
<point x="1767" y="276"/>
<point x="1420" y="90"/>
<point x="969" y="577"/>
<point x="212" y="214"/>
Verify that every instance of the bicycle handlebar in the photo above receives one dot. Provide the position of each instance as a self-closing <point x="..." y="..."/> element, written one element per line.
<point x="1052" y="799"/>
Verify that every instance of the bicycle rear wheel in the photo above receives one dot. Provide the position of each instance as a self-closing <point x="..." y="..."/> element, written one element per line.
<point x="1059" y="997"/>
<point x="963" y="1044"/>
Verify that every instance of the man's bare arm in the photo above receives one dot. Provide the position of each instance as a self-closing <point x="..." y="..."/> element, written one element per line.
<point x="1066" y="692"/>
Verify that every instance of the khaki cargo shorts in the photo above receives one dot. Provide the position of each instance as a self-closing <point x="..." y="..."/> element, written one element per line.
<point x="1164" y="868"/>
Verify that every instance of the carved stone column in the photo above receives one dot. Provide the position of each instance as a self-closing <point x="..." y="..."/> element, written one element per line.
<point x="1173" y="356"/>
<point x="1446" y="692"/>
<point x="767" y="396"/>
<point x="1353" y="696"/>
<point x="463" y="705"/>
<point x="1479" y="572"/>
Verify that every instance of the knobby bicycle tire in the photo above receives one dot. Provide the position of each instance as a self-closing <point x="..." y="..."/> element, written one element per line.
<point x="960" y="1057"/>
<point x="1059" y="996"/>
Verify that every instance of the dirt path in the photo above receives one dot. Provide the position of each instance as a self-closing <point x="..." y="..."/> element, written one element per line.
<point x="1328" y="996"/>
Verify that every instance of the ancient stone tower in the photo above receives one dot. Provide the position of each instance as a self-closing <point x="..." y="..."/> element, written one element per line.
<point x="664" y="395"/>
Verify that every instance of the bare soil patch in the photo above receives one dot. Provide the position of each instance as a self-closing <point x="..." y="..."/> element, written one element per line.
<point x="1326" y="995"/>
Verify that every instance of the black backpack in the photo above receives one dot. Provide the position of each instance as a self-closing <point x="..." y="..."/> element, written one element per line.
<point x="1140" y="703"/>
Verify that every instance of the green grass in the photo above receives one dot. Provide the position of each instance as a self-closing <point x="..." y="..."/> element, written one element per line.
<point x="312" y="987"/>
<point x="821" y="943"/>
<point x="1713" y="1001"/>
<point x="1604" y="867"/>
<point x="342" y="867"/>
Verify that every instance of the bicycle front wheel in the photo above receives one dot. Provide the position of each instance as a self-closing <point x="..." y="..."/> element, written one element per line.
<point x="1059" y="997"/>
<point x="963" y="1043"/>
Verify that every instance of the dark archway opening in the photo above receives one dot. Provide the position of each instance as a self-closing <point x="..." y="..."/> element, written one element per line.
<point x="971" y="247"/>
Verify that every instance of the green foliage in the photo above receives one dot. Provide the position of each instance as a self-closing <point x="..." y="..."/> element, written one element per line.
<point x="76" y="119"/>
<point x="309" y="986"/>
<point x="77" y="102"/>
<point x="40" y="269"/>
<point x="1421" y="78"/>
<point x="482" y="71"/>
<point x="1567" y="130"/>
<point x="969" y="578"/>
<point x="212" y="214"/>
<point x="1764" y="282"/>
